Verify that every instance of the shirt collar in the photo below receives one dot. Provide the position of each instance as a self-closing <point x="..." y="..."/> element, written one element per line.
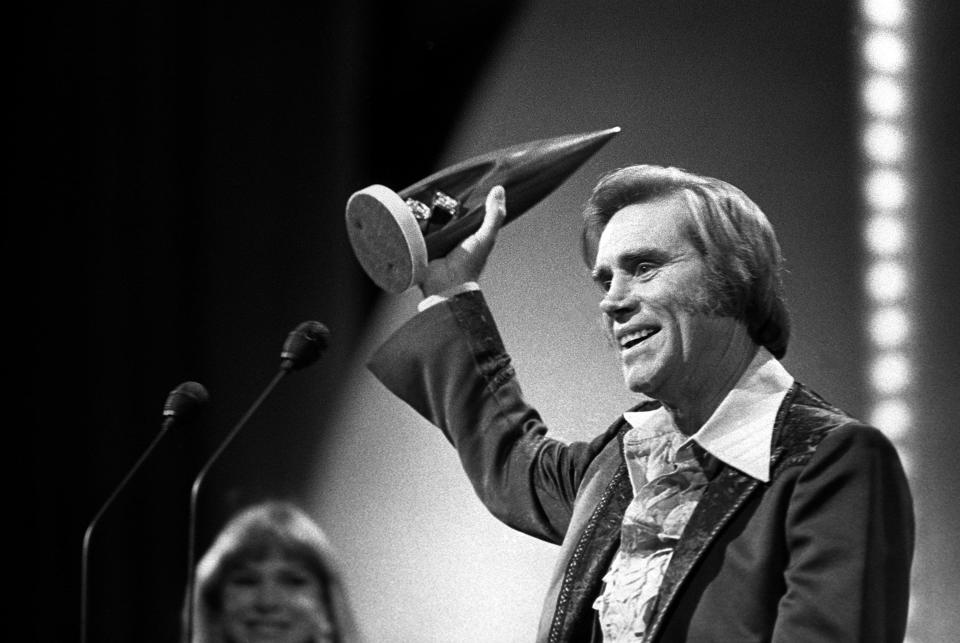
<point x="740" y="431"/>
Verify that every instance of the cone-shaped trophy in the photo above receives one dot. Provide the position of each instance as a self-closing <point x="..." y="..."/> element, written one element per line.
<point x="394" y="235"/>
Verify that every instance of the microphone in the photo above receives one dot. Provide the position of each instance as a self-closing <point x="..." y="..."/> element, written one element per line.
<point x="184" y="402"/>
<point x="303" y="346"/>
<point x="182" y="405"/>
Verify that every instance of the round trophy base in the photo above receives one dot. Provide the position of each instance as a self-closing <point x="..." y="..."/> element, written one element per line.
<point x="386" y="238"/>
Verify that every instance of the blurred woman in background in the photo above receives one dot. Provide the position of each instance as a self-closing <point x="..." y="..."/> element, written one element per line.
<point x="271" y="575"/>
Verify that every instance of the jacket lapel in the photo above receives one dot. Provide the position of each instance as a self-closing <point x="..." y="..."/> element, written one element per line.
<point x="595" y="548"/>
<point x="721" y="500"/>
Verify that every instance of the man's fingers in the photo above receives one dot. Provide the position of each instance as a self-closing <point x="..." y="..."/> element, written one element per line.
<point x="481" y="241"/>
<point x="465" y="262"/>
<point x="496" y="211"/>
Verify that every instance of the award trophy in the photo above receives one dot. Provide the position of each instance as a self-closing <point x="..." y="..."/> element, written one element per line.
<point x="395" y="234"/>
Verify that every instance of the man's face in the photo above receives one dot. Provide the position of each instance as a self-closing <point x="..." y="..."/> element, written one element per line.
<point x="656" y="301"/>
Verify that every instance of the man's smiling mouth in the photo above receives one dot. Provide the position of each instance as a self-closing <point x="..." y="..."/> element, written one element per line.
<point x="632" y="338"/>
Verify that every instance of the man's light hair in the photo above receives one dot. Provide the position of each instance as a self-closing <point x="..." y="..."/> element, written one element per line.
<point x="736" y="240"/>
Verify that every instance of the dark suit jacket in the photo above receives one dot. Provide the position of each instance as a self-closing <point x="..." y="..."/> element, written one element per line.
<point x="820" y="553"/>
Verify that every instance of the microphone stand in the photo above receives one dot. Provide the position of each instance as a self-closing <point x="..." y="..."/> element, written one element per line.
<point x="85" y="556"/>
<point x="182" y="402"/>
<point x="303" y="346"/>
<point x="194" y="492"/>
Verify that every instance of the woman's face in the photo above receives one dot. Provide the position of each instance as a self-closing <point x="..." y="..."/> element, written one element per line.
<point x="276" y="599"/>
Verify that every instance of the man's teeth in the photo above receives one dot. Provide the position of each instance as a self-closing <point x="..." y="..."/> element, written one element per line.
<point x="631" y="339"/>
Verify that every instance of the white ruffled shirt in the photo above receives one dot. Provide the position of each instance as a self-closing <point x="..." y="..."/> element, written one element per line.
<point x="658" y="456"/>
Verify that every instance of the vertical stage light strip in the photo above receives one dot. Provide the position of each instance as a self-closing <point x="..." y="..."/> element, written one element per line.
<point x="886" y="150"/>
<point x="885" y="58"/>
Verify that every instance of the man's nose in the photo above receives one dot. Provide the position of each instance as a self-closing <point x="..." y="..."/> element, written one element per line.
<point x="618" y="300"/>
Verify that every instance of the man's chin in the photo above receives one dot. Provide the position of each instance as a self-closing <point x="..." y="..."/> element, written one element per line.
<point x="639" y="385"/>
<point x="644" y="382"/>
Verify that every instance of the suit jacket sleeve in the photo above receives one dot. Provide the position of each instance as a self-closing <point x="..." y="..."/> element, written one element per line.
<point x="449" y="364"/>
<point x="850" y="531"/>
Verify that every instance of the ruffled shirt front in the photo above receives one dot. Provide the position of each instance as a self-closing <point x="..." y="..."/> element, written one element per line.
<point x="667" y="484"/>
<point x="668" y="479"/>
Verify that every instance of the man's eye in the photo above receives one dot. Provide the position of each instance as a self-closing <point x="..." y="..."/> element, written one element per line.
<point x="643" y="268"/>
<point x="603" y="280"/>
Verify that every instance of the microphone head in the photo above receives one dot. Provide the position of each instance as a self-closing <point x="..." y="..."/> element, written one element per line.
<point x="185" y="400"/>
<point x="304" y="345"/>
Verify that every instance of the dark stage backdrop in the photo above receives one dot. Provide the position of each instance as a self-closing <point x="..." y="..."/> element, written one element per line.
<point x="184" y="170"/>
<point x="180" y="173"/>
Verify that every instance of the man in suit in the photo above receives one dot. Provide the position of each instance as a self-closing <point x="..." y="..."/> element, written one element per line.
<point x="737" y="505"/>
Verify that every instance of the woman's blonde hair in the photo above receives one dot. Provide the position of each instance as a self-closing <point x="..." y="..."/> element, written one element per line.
<point x="254" y="534"/>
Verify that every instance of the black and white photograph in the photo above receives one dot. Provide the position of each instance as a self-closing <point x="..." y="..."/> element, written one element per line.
<point x="493" y="321"/>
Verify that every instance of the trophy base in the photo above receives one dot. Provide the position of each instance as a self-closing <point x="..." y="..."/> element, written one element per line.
<point x="386" y="238"/>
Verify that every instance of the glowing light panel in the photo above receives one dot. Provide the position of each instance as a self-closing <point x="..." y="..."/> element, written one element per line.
<point x="886" y="188"/>
<point x="884" y="143"/>
<point x="883" y="97"/>
<point x="885" y="13"/>
<point x="885" y="235"/>
<point x="889" y="327"/>
<point x="885" y="50"/>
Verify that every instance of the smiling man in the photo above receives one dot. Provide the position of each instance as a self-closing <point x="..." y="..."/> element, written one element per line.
<point x="738" y="505"/>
